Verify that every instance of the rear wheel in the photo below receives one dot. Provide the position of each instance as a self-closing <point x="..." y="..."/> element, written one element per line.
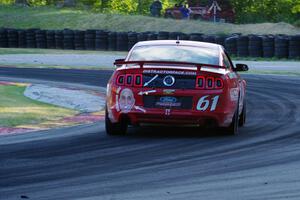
<point x="233" y="129"/>
<point x="119" y="128"/>
<point x="242" y="119"/>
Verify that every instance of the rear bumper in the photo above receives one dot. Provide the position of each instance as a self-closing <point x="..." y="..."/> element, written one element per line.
<point x="182" y="117"/>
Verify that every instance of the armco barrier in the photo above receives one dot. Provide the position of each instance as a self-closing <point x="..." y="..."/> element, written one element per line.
<point x="268" y="46"/>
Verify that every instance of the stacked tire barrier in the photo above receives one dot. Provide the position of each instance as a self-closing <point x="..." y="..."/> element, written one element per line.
<point x="79" y="40"/>
<point x="267" y="46"/>
<point x="13" y="38"/>
<point x="22" y="39"/>
<point x="59" y="40"/>
<point x="132" y="39"/>
<point x="243" y="46"/>
<point x="3" y="38"/>
<point x="294" y="44"/>
<point x="231" y="45"/>
<point x="281" y="47"/>
<point x="122" y="41"/>
<point x="255" y="46"/>
<point x="101" y="40"/>
<point x="89" y="39"/>
<point x="68" y="41"/>
<point x="50" y="39"/>
<point x="112" y="44"/>
<point x="30" y="38"/>
<point x="41" y="41"/>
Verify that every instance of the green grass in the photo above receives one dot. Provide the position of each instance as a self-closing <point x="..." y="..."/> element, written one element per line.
<point x="16" y="109"/>
<point x="55" y="18"/>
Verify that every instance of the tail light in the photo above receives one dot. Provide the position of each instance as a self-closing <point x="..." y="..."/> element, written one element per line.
<point x="200" y="82"/>
<point x="219" y="83"/>
<point x="138" y="80"/>
<point x="209" y="83"/>
<point x="128" y="79"/>
<point x="121" y="80"/>
<point x="135" y="80"/>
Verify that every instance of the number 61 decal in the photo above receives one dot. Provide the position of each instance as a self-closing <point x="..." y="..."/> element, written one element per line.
<point x="204" y="103"/>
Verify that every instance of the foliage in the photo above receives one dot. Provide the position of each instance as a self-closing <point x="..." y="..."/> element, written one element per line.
<point x="247" y="11"/>
<point x="253" y="11"/>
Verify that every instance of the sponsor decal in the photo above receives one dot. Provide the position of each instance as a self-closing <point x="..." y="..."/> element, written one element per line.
<point x="168" y="99"/>
<point x="207" y="102"/>
<point x="168" y="102"/>
<point x="173" y="72"/>
<point x="168" y="91"/>
<point x="146" y="92"/>
<point x="126" y="100"/>
<point x="169" y="81"/>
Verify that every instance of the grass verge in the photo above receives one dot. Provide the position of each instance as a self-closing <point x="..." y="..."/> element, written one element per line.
<point x="16" y="109"/>
<point x="54" y="18"/>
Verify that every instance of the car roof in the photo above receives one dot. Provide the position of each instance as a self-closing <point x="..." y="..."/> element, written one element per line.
<point x="212" y="46"/>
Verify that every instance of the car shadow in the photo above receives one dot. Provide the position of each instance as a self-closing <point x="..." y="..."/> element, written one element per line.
<point x="173" y="132"/>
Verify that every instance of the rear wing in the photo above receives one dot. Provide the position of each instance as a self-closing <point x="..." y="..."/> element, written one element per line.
<point x="121" y="63"/>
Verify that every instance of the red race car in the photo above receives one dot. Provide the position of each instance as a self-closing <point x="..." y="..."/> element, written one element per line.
<point x="176" y="82"/>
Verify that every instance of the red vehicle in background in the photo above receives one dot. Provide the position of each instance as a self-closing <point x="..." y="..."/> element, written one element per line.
<point x="176" y="82"/>
<point x="204" y="11"/>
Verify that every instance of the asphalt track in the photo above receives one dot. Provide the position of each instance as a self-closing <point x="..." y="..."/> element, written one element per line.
<point x="262" y="162"/>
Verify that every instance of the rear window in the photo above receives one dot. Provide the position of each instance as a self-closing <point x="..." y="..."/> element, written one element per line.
<point x="175" y="53"/>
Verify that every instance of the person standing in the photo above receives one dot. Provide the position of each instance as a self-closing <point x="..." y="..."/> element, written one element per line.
<point x="155" y="8"/>
<point x="185" y="11"/>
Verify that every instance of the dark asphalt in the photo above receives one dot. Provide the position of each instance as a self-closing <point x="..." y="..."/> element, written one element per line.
<point x="263" y="162"/>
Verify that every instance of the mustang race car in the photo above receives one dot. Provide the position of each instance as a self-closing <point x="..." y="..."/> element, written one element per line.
<point x="176" y="82"/>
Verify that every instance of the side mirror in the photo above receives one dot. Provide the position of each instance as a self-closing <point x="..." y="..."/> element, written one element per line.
<point x="241" y="68"/>
<point x="118" y="60"/>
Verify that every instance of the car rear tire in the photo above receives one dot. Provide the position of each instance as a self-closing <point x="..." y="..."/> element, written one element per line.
<point x="233" y="129"/>
<point x="242" y="120"/>
<point x="119" y="128"/>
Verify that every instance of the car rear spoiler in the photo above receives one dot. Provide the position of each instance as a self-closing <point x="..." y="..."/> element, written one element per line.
<point x="119" y="63"/>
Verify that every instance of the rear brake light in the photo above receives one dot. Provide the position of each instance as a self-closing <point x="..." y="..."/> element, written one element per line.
<point x="135" y="80"/>
<point x="200" y="82"/>
<point x="128" y="79"/>
<point x="209" y="83"/>
<point x="138" y="82"/>
<point x="219" y="83"/>
<point x="120" y="80"/>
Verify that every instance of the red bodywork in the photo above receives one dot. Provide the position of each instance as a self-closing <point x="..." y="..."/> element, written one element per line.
<point x="210" y="99"/>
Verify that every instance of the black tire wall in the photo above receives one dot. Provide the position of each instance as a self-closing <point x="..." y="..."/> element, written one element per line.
<point x="267" y="46"/>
